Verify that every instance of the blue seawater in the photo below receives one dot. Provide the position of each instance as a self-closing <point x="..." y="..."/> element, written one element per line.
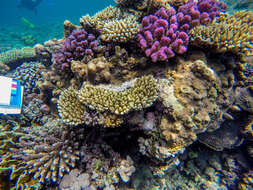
<point x="47" y="17"/>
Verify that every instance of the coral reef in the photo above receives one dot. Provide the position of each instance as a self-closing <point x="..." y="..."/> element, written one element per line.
<point x="38" y="154"/>
<point x="134" y="95"/>
<point x="29" y="75"/>
<point x="159" y="37"/>
<point x="166" y="33"/>
<point x="78" y="46"/>
<point x="192" y="106"/>
<point x="113" y="24"/>
<point x="231" y="33"/>
<point x="98" y="114"/>
<point x="69" y="107"/>
<point x="122" y="30"/>
<point x="10" y="58"/>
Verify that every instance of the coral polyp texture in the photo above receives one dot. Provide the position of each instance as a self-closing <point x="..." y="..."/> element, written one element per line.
<point x="192" y="107"/>
<point x="165" y="33"/>
<point x="113" y="24"/>
<point x="69" y="107"/>
<point x="10" y="58"/>
<point x="118" y="104"/>
<point x="37" y="155"/>
<point x="134" y="95"/>
<point x="121" y="30"/>
<point x="79" y="45"/>
<point x="227" y="33"/>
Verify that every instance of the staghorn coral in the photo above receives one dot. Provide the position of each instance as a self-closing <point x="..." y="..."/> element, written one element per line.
<point x="231" y="33"/>
<point x="122" y="30"/>
<point x="37" y="154"/>
<point x="134" y="95"/>
<point x="9" y="59"/>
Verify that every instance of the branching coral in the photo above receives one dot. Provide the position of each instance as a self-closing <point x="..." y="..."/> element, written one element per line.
<point x="73" y="112"/>
<point x="136" y="95"/>
<point x="122" y="30"/>
<point x="233" y="33"/>
<point x="69" y="107"/>
<point x="36" y="154"/>
<point x="114" y="24"/>
<point x="99" y="19"/>
<point x="78" y="46"/>
<point x="11" y="57"/>
<point x="166" y="33"/>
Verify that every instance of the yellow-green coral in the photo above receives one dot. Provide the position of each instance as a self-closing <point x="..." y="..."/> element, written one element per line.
<point x="141" y="94"/>
<point x="232" y="33"/>
<point x="99" y="19"/>
<point x="121" y="30"/>
<point x="33" y="155"/>
<point x="113" y="23"/>
<point x="11" y="56"/>
<point x="69" y="107"/>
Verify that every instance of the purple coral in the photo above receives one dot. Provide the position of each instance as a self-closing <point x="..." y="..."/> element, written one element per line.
<point x="159" y="36"/>
<point x="77" y="46"/>
<point x="166" y="33"/>
<point x="201" y="12"/>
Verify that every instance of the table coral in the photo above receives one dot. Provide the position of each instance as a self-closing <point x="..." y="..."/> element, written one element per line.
<point x="231" y="33"/>
<point x="134" y="95"/>
<point x="69" y="107"/>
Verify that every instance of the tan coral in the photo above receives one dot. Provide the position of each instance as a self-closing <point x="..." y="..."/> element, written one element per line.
<point x="232" y="33"/>
<point x="113" y="23"/>
<point x="12" y="56"/>
<point x="134" y="95"/>
<point x="37" y="154"/>
<point x="122" y="30"/>
<point x="69" y="107"/>
<point x="99" y="19"/>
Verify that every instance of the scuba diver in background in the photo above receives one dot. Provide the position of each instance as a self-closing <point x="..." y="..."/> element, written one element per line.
<point x="29" y="4"/>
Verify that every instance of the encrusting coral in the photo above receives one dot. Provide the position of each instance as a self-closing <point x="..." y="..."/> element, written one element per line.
<point x="191" y="107"/>
<point x="37" y="154"/>
<point x="134" y="95"/>
<point x="233" y="33"/>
